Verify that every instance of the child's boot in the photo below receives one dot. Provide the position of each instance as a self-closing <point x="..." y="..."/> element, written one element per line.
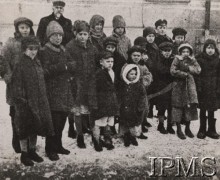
<point x="80" y="142"/>
<point x="71" y="132"/>
<point x="169" y="125"/>
<point x="34" y="156"/>
<point x="161" y="127"/>
<point x="188" y="132"/>
<point x="126" y="138"/>
<point x="212" y="129"/>
<point x="108" y="139"/>
<point x="202" y="130"/>
<point x="25" y="159"/>
<point x="97" y="144"/>
<point x="133" y="140"/>
<point x="179" y="132"/>
<point x="142" y="136"/>
<point x="144" y="129"/>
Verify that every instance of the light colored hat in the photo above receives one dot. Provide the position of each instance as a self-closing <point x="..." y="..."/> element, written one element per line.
<point x="125" y="70"/>
<point x="54" y="27"/>
<point x="185" y="45"/>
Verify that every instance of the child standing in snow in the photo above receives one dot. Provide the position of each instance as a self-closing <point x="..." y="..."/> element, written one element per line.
<point x="135" y="57"/>
<point x="208" y="89"/>
<point x="107" y="102"/>
<point x="124" y="43"/>
<point x="33" y="115"/>
<point x="132" y="97"/>
<point x="184" y="95"/>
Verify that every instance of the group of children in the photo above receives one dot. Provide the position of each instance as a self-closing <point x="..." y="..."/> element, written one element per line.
<point x="101" y="81"/>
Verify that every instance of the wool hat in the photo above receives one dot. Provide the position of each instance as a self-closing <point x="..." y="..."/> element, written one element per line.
<point x="22" y="20"/>
<point x="54" y="27"/>
<point x="185" y="45"/>
<point x="135" y="49"/>
<point x="140" y="41"/>
<point x="148" y="30"/>
<point x="105" y="55"/>
<point x="118" y="21"/>
<point x="29" y="40"/>
<point x="58" y="3"/>
<point x="166" y="45"/>
<point x="95" y="20"/>
<point x="160" y="22"/>
<point x="126" y="69"/>
<point x="179" y="31"/>
<point x="110" y="40"/>
<point x="82" y="26"/>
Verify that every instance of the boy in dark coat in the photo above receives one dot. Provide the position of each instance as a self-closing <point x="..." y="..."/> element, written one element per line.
<point x="179" y="36"/>
<point x="57" y="15"/>
<point x="107" y="101"/>
<point x="33" y="115"/>
<point x="153" y="52"/>
<point x="96" y="31"/>
<point x="84" y="54"/>
<point x="11" y="56"/>
<point x="161" y="36"/>
<point x="208" y="88"/>
<point x="164" y="79"/>
<point x="58" y="69"/>
<point x="132" y="97"/>
<point x="184" y="94"/>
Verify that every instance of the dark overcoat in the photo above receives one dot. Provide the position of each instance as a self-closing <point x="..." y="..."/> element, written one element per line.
<point x="162" y="38"/>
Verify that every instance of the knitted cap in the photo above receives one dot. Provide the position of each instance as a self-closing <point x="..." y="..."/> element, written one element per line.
<point x="54" y="27"/>
<point x="110" y="40"/>
<point x="21" y="20"/>
<point x="160" y="22"/>
<point x="82" y="26"/>
<point x="148" y="30"/>
<point x="95" y="20"/>
<point x="166" y="45"/>
<point x="58" y="3"/>
<point x="29" y="40"/>
<point x="105" y="55"/>
<point x="140" y="41"/>
<point x="185" y="45"/>
<point x="178" y="31"/>
<point x="118" y="21"/>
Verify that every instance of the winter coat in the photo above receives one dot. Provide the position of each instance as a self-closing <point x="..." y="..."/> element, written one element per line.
<point x="183" y="69"/>
<point x="119" y="62"/>
<point x="124" y="43"/>
<point x="33" y="114"/>
<point x="132" y="98"/>
<point x="54" y="59"/>
<point x="163" y="80"/>
<point x="85" y="58"/>
<point x="106" y="95"/>
<point x="98" y="42"/>
<point x="162" y="38"/>
<point x="11" y="56"/>
<point x="175" y="48"/>
<point x="64" y="22"/>
<point x="207" y="82"/>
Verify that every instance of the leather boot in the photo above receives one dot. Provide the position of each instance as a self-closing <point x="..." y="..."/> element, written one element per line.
<point x="80" y="142"/>
<point x="202" y="129"/>
<point x="212" y="129"/>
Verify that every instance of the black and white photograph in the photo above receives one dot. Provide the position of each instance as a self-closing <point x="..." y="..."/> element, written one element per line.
<point x="109" y="89"/>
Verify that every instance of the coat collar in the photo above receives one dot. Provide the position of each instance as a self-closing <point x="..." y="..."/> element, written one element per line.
<point x="55" y="49"/>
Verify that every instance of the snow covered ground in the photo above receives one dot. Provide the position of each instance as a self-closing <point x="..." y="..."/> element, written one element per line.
<point x="120" y="163"/>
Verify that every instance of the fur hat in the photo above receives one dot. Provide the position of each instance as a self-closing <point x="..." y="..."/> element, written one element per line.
<point x="110" y="40"/>
<point x="160" y="22"/>
<point x="126" y="69"/>
<point x="185" y="45"/>
<point x="95" y="20"/>
<point x="58" y="3"/>
<point x="135" y="49"/>
<point x="29" y="40"/>
<point x="82" y="26"/>
<point x="148" y="30"/>
<point x="118" y="21"/>
<point x="54" y="27"/>
<point x="140" y="41"/>
<point x="166" y="45"/>
<point x="179" y="31"/>
<point x="22" y="20"/>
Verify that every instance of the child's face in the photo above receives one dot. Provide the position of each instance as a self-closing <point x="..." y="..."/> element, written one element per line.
<point x="136" y="57"/>
<point x="161" y="29"/>
<point x="98" y="27"/>
<point x="107" y="63"/>
<point x="56" y="38"/>
<point x="210" y="50"/>
<point x="166" y="53"/>
<point x="58" y="11"/>
<point x="150" y="38"/>
<point x="119" y="30"/>
<point x="31" y="51"/>
<point x="24" y="29"/>
<point x="185" y="52"/>
<point x="132" y="75"/>
<point x="110" y="48"/>
<point x="179" y="38"/>
<point x="82" y="36"/>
